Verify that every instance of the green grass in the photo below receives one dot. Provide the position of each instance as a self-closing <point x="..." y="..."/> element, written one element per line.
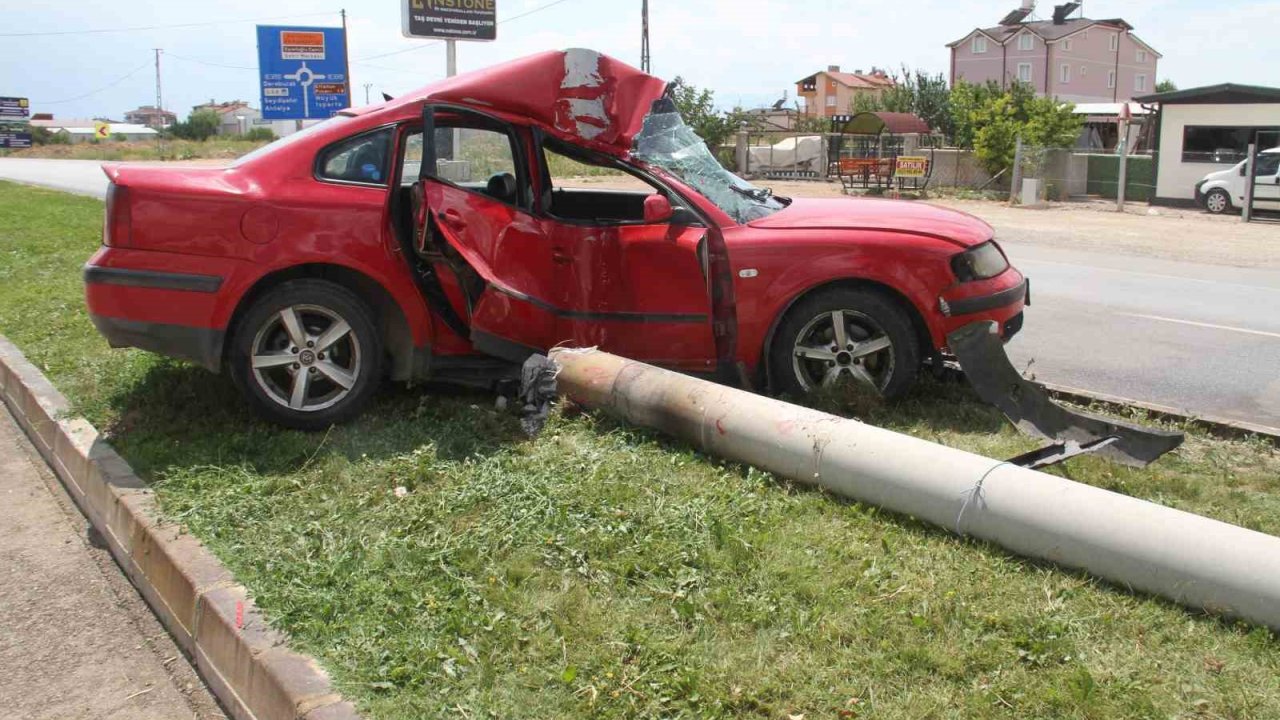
<point x="221" y="148"/>
<point x="599" y="571"/>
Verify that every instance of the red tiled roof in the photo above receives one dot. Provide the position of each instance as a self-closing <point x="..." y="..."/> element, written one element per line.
<point x="855" y="80"/>
<point x="862" y="81"/>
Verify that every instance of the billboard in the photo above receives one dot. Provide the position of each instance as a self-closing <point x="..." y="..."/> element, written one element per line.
<point x="14" y="137"/>
<point x="14" y="109"/>
<point x="15" y="133"/>
<point x="449" y="19"/>
<point x="911" y="166"/>
<point x="303" y="72"/>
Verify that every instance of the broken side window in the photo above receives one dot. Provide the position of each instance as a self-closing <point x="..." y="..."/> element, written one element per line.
<point x="666" y="142"/>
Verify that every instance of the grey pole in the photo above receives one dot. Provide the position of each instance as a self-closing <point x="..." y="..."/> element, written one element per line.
<point x="1189" y="559"/>
<point x="1124" y="165"/>
<point x="1250" y="172"/>
<point x="451" y="69"/>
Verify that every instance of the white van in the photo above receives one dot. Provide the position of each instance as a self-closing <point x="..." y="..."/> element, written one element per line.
<point x="1221" y="191"/>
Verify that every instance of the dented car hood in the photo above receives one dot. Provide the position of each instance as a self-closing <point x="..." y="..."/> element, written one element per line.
<point x="899" y="216"/>
<point x="578" y="95"/>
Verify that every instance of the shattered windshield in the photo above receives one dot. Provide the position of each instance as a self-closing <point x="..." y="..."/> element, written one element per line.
<point x="666" y="142"/>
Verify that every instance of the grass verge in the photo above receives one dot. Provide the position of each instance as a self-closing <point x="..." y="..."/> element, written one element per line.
<point x="171" y="149"/>
<point x="440" y="564"/>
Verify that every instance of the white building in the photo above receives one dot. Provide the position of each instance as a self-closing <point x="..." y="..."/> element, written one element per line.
<point x="79" y="130"/>
<point x="1207" y="129"/>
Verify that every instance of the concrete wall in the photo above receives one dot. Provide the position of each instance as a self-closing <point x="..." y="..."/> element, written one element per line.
<point x="956" y="168"/>
<point x="1176" y="180"/>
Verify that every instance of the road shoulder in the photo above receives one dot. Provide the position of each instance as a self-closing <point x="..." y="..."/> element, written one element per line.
<point x="78" y="641"/>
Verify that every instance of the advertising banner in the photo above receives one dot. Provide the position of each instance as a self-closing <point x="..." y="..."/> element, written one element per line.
<point x="449" y="19"/>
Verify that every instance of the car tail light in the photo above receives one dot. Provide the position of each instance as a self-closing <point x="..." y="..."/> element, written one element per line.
<point x="116" y="223"/>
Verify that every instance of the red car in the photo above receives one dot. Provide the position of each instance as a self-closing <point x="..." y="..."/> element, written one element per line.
<point x="451" y="233"/>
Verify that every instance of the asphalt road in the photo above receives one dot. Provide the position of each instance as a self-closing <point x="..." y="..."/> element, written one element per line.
<point x="1196" y="337"/>
<point x="84" y="177"/>
<point x="1199" y="338"/>
<point x="76" y="639"/>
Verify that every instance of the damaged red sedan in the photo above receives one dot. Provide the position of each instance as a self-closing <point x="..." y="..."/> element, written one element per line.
<point x="451" y="233"/>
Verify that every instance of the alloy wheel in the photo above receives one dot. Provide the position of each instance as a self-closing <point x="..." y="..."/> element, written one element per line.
<point x="1216" y="202"/>
<point x="842" y="344"/>
<point x="306" y="358"/>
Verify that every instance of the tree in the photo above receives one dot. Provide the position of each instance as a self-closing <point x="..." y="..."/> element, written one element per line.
<point x="698" y="109"/>
<point x="999" y="120"/>
<point x="200" y="125"/>
<point x="806" y="123"/>
<point x="1165" y="86"/>
<point x="925" y="96"/>
<point x="995" y="134"/>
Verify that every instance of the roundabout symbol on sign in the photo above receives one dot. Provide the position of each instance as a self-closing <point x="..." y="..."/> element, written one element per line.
<point x="304" y="76"/>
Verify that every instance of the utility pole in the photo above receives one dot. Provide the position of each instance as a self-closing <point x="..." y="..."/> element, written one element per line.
<point x="644" y="35"/>
<point x="159" y="108"/>
<point x="366" y="92"/>
<point x="346" y="59"/>
<point x="1124" y="158"/>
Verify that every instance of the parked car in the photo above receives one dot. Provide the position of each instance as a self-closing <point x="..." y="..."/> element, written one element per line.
<point x="1223" y="191"/>
<point x="444" y="235"/>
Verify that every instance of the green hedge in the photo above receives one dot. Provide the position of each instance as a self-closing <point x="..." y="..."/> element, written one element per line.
<point x="1104" y="177"/>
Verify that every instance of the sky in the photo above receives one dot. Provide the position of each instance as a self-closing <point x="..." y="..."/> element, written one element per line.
<point x="749" y="52"/>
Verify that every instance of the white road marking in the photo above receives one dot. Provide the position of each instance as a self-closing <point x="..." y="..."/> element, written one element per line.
<point x="1203" y="325"/>
<point x="1138" y="273"/>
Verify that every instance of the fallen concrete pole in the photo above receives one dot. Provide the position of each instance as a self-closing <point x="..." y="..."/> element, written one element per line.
<point x="1189" y="559"/>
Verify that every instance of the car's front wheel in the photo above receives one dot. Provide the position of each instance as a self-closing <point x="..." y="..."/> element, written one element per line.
<point x="844" y="334"/>
<point x="307" y="354"/>
<point x="1217" y="201"/>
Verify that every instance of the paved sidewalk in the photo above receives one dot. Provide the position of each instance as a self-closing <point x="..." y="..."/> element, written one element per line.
<point x="76" y="640"/>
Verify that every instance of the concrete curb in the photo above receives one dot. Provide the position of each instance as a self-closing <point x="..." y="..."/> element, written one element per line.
<point x="1218" y="427"/>
<point x="247" y="665"/>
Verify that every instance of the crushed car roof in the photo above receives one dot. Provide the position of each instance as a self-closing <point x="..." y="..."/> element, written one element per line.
<point x="579" y="95"/>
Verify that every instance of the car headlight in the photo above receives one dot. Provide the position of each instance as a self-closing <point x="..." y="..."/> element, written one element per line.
<point x="979" y="262"/>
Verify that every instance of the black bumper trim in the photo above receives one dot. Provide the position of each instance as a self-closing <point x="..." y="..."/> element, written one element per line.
<point x="202" y="346"/>
<point x="968" y="306"/>
<point x="152" y="279"/>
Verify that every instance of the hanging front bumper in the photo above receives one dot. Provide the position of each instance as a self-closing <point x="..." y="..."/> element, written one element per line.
<point x="978" y="348"/>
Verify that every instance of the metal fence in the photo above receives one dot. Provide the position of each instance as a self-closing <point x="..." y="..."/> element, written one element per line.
<point x="1043" y="174"/>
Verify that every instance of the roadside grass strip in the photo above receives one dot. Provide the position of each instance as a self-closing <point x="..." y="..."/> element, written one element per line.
<point x="439" y="563"/>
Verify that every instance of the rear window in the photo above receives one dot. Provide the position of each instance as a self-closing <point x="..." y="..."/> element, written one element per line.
<point x="361" y="159"/>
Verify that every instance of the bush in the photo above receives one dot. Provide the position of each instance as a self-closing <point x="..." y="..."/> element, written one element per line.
<point x="259" y="134"/>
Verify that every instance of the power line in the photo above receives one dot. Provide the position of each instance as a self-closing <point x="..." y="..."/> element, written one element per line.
<point x="437" y="42"/>
<point x="112" y="84"/>
<point x="210" y="64"/>
<point x="162" y="27"/>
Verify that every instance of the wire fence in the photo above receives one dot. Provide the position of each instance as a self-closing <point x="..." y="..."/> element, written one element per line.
<point x="1039" y="174"/>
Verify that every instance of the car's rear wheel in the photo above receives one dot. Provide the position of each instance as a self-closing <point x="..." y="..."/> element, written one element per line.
<point x="307" y="354"/>
<point x="845" y="334"/>
<point x="1217" y="201"/>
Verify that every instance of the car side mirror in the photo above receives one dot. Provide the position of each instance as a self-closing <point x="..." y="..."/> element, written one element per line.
<point x="657" y="209"/>
<point x="1244" y="170"/>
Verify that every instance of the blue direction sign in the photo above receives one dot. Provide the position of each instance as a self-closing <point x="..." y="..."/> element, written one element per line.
<point x="303" y="72"/>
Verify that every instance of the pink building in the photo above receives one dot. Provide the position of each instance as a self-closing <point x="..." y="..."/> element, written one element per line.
<point x="1074" y="59"/>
